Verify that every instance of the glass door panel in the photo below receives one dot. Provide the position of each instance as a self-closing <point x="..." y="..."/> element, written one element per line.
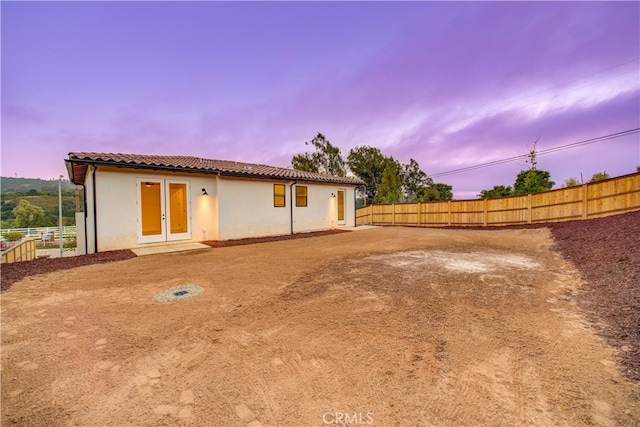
<point x="151" y="212"/>
<point x="178" y="208"/>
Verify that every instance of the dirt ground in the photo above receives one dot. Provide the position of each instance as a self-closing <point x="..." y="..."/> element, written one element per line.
<point x="387" y="326"/>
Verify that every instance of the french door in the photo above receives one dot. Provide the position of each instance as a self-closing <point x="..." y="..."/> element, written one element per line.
<point x="164" y="212"/>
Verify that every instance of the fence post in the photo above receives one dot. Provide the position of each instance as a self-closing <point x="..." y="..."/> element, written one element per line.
<point x="419" y="214"/>
<point x="449" y="212"/>
<point x="393" y="214"/>
<point x="584" y="201"/>
<point x="484" y="214"/>
<point x="529" y="210"/>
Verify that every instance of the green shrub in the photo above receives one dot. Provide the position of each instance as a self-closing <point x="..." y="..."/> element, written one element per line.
<point x="13" y="236"/>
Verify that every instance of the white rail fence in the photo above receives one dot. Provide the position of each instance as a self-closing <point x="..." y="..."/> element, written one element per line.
<point x="43" y="233"/>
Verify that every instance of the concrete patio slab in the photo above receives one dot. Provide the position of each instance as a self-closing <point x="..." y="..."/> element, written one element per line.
<point x="360" y="228"/>
<point x="166" y="248"/>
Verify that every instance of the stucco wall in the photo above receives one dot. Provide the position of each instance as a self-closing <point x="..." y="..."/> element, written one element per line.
<point x="116" y="210"/>
<point x="321" y="212"/>
<point x="81" y="236"/>
<point x="233" y="209"/>
<point x="246" y="209"/>
<point x="117" y="207"/>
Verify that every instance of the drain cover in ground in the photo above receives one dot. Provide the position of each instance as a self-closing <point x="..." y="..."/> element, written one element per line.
<point x="178" y="293"/>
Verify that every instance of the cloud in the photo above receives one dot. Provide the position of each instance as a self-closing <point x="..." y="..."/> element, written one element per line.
<point x="449" y="84"/>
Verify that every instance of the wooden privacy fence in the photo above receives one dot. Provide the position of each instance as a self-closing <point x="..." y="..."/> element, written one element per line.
<point x="23" y="251"/>
<point x="604" y="198"/>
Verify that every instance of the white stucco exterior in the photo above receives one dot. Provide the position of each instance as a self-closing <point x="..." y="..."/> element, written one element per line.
<point x="246" y="208"/>
<point x="234" y="208"/>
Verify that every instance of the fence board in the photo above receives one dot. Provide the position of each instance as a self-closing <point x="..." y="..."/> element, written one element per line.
<point x="507" y="210"/>
<point x="609" y="197"/>
<point x="23" y="251"/>
<point x="467" y="212"/>
<point x="434" y="213"/>
<point x="406" y="213"/>
<point x="37" y="232"/>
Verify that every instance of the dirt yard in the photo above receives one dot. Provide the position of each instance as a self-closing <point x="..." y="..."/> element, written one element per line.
<point x="388" y="326"/>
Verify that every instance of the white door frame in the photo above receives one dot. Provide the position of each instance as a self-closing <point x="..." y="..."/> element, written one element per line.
<point x="165" y="211"/>
<point x="177" y="236"/>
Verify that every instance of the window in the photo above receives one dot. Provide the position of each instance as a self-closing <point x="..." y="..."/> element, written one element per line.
<point x="278" y="195"/>
<point x="301" y="196"/>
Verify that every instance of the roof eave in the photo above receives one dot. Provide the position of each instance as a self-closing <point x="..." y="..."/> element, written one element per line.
<point x="70" y="163"/>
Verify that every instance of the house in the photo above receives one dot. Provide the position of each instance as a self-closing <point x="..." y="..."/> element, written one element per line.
<point x="134" y="200"/>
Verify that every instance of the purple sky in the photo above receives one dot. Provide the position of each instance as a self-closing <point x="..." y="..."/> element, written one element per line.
<point x="451" y="84"/>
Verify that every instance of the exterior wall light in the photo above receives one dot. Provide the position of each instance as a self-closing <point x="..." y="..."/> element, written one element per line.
<point x="204" y="192"/>
<point x="333" y="195"/>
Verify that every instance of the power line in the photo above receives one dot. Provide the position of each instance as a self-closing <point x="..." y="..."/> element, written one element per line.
<point x="540" y="152"/>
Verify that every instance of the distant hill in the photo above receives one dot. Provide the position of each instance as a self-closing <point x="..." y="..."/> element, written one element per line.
<point x="23" y="185"/>
<point x="41" y="193"/>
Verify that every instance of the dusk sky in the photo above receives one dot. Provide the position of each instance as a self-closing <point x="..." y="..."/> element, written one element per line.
<point x="450" y="84"/>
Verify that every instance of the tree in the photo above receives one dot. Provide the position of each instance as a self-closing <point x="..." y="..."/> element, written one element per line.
<point x="8" y="223"/>
<point x="326" y="158"/>
<point x="28" y="215"/>
<point x="6" y="212"/>
<point x="368" y="164"/>
<point x="390" y="188"/>
<point x="437" y="191"/>
<point x="304" y="162"/>
<point x="496" y="191"/>
<point x="532" y="180"/>
<point x="414" y="181"/>
<point x="600" y="176"/>
<point x="570" y="182"/>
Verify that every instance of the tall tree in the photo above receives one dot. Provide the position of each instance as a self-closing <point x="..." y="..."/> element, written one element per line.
<point x="367" y="163"/>
<point x="437" y="191"/>
<point x="414" y="181"/>
<point x="532" y="180"/>
<point x="326" y="158"/>
<point x="28" y="215"/>
<point x="304" y="162"/>
<point x="390" y="188"/>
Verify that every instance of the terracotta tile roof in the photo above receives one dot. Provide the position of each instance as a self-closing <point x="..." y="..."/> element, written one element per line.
<point x="80" y="161"/>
